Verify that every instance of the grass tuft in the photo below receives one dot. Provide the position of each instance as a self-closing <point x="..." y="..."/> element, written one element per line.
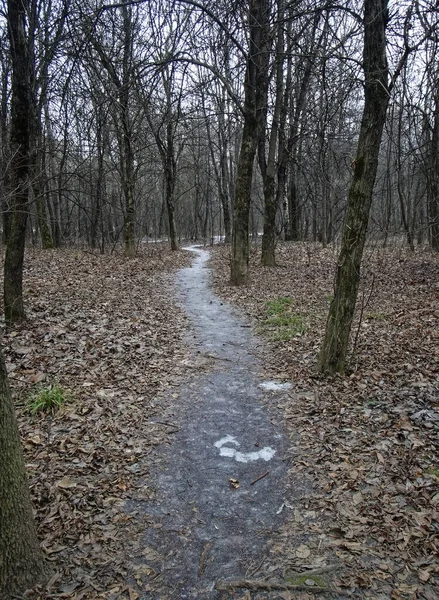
<point x="47" y="399"/>
<point x="282" y="323"/>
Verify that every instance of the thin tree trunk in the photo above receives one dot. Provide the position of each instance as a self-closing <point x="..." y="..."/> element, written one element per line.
<point x="333" y="353"/>
<point x="268" y="165"/>
<point x="170" y="175"/>
<point x="433" y="178"/>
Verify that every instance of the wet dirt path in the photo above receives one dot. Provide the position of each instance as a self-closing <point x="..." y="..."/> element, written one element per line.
<point x="213" y="514"/>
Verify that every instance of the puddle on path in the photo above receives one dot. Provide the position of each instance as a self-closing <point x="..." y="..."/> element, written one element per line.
<point x="215" y="510"/>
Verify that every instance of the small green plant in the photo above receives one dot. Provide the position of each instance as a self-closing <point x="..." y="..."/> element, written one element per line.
<point x="279" y="305"/>
<point x="47" y="399"/>
<point x="282" y="323"/>
<point x="431" y="472"/>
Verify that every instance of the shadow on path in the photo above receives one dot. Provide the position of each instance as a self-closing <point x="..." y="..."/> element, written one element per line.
<point x="202" y="529"/>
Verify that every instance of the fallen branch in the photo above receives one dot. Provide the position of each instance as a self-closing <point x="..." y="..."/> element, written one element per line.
<point x="271" y="585"/>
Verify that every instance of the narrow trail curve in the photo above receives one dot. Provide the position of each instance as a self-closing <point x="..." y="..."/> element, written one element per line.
<point x="200" y="528"/>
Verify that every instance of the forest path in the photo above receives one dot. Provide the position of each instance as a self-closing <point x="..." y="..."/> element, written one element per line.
<point x="200" y="529"/>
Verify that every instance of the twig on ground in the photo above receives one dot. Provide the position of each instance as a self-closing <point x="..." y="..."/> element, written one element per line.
<point x="260" y="477"/>
<point x="166" y="424"/>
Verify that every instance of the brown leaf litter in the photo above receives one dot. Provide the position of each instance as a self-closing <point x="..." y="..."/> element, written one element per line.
<point x="105" y="328"/>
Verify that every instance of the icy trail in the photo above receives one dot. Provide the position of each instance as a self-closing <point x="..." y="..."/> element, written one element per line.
<point x="213" y="516"/>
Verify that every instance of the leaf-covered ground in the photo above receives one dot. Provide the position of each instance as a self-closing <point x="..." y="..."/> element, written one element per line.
<point x="107" y="330"/>
<point x="368" y="440"/>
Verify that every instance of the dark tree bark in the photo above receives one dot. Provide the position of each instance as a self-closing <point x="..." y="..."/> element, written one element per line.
<point x="19" y="167"/>
<point x="21" y="560"/>
<point x="333" y="353"/>
<point x="433" y="175"/>
<point x="267" y="164"/>
<point x="256" y="83"/>
<point x="4" y="137"/>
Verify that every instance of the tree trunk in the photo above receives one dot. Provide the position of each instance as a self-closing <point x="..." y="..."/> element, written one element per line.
<point x="170" y="173"/>
<point x="21" y="560"/>
<point x="334" y="349"/>
<point x="170" y="207"/>
<point x="4" y="136"/>
<point x="19" y="170"/>
<point x="241" y="207"/>
<point x="268" y="164"/>
<point x="433" y="177"/>
<point x="256" y="83"/>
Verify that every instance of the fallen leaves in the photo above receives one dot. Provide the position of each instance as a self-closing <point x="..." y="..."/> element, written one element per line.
<point x="303" y="551"/>
<point x="107" y="329"/>
<point x="233" y="483"/>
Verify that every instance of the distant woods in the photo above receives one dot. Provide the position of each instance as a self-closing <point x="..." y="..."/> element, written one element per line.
<point x="137" y="116"/>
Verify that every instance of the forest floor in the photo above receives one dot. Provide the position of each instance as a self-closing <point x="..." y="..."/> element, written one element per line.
<point x="109" y="330"/>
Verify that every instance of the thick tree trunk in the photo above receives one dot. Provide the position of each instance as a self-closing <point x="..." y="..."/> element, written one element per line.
<point x="241" y="206"/>
<point x="170" y="207"/>
<point x="335" y="345"/>
<point x="227" y="219"/>
<point x="256" y="84"/>
<point x="19" y="170"/>
<point x="21" y="559"/>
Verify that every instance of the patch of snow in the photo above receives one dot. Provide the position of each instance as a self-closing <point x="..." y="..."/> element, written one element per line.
<point x="275" y="386"/>
<point x="265" y="453"/>
<point x="229" y="439"/>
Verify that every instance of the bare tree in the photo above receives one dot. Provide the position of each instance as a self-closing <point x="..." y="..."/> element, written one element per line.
<point x="19" y="164"/>
<point x="255" y="95"/>
<point x="333" y="353"/>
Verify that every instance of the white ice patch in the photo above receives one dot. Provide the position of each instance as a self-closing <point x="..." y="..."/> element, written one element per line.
<point x="274" y="386"/>
<point x="229" y="439"/>
<point x="265" y="453"/>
